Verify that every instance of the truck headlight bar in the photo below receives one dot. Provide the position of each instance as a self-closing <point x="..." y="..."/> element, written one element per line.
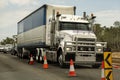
<point x="99" y="50"/>
<point x="69" y="49"/>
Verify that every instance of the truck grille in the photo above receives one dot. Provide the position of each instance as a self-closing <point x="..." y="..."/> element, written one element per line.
<point x="81" y="45"/>
<point x="86" y="48"/>
<point x="85" y="39"/>
<point x="86" y="44"/>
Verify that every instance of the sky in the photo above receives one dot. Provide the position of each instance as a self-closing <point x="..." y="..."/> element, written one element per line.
<point x="12" y="11"/>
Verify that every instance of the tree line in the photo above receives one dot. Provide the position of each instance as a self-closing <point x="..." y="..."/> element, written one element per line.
<point x="111" y="35"/>
<point x="7" y="41"/>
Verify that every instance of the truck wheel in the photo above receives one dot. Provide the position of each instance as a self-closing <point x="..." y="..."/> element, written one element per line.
<point x="60" y="61"/>
<point x="22" y="56"/>
<point x="19" y="55"/>
<point x="39" y="58"/>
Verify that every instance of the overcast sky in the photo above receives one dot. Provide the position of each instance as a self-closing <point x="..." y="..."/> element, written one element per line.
<point x="12" y="11"/>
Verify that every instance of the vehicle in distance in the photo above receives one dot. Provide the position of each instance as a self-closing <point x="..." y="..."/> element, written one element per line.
<point x="1" y="48"/>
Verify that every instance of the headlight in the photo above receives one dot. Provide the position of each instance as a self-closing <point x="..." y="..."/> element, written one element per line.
<point x="68" y="49"/>
<point x="89" y="49"/>
<point x="81" y="48"/>
<point x="99" y="50"/>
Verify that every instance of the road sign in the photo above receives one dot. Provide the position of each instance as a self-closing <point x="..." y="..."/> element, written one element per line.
<point x="108" y="59"/>
<point x="108" y="74"/>
<point x="108" y="65"/>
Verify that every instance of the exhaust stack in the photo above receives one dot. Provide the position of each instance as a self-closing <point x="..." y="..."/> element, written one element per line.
<point x="84" y="15"/>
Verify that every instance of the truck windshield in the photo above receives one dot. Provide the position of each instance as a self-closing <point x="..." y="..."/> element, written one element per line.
<point x="73" y="26"/>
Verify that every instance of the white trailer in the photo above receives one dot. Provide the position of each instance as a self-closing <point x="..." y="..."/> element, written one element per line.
<point x="55" y="31"/>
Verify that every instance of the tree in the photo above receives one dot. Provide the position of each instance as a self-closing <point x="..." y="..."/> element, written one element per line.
<point x="99" y="31"/>
<point x="109" y="35"/>
<point x="116" y="23"/>
<point x="7" y="41"/>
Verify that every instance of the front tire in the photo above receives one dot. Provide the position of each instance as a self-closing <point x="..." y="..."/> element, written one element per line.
<point x="60" y="60"/>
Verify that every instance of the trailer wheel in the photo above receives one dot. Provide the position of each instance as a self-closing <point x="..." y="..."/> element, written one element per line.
<point x="39" y="58"/>
<point x="21" y="55"/>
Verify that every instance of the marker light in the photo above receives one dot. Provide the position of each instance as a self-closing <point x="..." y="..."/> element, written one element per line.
<point x="58" y="14"/>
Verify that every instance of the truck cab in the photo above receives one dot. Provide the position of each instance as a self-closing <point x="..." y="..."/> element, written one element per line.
<point x="75" y="40"/>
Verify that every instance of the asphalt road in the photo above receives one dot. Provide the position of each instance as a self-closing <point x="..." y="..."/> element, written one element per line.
<point x="13" y="68"/>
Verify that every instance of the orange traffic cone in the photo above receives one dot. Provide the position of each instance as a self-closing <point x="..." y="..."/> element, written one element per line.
<point x="31" y="60"/>
<point x="102" y="71"/>
<point x="72" y="70"/>
<point x="45" y="65"/>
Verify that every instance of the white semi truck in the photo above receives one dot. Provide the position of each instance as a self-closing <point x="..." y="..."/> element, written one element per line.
<point x="55" y="31"/>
